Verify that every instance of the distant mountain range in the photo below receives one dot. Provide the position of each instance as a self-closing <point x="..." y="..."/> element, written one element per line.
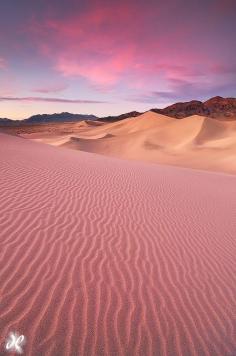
<point x="216" y="107"/>
<point x="48" y="118"/>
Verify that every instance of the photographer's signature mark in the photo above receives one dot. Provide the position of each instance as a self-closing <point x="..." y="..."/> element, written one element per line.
<point x="15" y="342"/>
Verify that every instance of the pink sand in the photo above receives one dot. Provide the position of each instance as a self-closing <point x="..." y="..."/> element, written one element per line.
<point x="101" y="256"/>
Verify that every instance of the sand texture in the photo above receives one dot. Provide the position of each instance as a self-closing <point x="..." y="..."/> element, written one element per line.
<point x="103" y="256"/>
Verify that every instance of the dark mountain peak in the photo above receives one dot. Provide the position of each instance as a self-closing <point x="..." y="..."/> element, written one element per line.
<point x="49" y="118"/>
<point x="120" y="117"/>
<point x="58" y="117"/>
<point x="219" y="106"/>
<point x="182" y="109"/>
<point x="215" y="99"/>
<point x="5" y="120"/>
<point x="185" y="103"/>
<point x="188" y="105"/>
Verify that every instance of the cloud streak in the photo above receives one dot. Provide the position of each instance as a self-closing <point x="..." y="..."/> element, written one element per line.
<point x="183" y="90"/>
<point x="55" y="88"/>
<point x="49" y="100"/>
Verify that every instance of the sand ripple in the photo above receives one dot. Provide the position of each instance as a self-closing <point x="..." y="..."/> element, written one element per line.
<point x="101" y="256"/>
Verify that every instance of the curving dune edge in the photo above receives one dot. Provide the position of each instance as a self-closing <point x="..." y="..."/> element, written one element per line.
<point x="195" y="142"/>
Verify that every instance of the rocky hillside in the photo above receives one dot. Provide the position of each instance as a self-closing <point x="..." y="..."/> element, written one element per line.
<point x="120" y="117"/>
<point x="216" y="107"/>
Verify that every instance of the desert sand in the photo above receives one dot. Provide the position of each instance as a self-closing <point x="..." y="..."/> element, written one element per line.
<point x="103" y="256"/>
<point x="195" y="142"/>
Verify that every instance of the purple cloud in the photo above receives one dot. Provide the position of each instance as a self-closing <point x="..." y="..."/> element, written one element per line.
<point x="185" y="90"/>
<point x="54" y="88"/>
<point x="50" y="100"/>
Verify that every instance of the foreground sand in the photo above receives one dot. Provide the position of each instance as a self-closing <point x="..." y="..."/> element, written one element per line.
<point x="101" y="256"/>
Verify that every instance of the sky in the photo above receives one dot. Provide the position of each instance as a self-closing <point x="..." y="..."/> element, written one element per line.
<point x="111" y="57"/>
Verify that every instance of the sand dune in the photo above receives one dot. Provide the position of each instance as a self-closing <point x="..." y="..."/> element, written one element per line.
<point x="195" y="142"/>
<point x="101" y="256"/>
<point x="52" y="133"/>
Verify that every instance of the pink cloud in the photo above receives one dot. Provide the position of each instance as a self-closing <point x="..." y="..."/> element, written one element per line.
<point x="50" y="88"/>
<point x="99" y="45"/>
<point x="179" y="71"/>
<point x="108" y="44"/>
<point x="101" y="69"/>
<point x="3" y="63"/>
<point x="223" y="69"/>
